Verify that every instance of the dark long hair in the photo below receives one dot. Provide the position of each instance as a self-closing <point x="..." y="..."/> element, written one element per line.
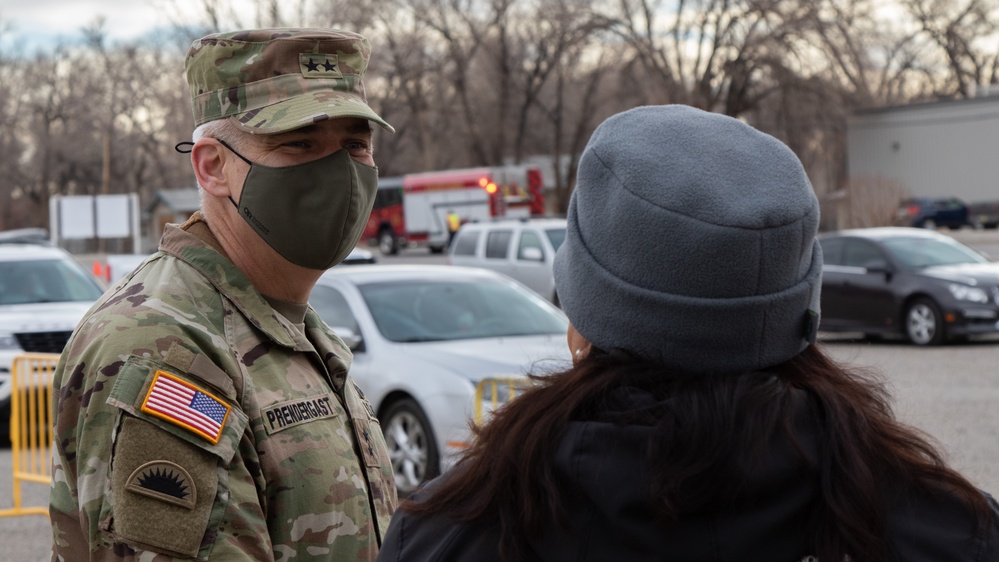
<point x="508" y="477"/>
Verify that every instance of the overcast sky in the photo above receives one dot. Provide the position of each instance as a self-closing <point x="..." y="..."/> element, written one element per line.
<point x="66" y="17"/>
<point x="35" y="22"/>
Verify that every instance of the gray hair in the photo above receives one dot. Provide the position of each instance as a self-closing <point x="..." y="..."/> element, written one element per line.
<point x="223" y="129"/>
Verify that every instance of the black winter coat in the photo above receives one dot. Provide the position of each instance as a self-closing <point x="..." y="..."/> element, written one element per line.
<point x="611" y="519"/>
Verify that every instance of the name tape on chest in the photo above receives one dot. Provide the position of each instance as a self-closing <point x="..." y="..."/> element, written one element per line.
<point x="290" y="414"/>
<point x="186" y="405"/>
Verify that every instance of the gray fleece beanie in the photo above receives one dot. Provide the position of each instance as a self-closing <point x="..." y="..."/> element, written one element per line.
<point x="691" y="243"/>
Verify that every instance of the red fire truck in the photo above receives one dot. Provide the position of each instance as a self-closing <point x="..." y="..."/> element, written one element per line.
<point x="412" y="210"/>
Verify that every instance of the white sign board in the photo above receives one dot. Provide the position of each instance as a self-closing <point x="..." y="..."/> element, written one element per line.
<point x="76" y="217"/>
<point x="113" y="216"/>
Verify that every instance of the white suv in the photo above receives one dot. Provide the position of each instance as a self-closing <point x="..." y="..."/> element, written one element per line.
<point x="523" y="249"/>
<point x="44" y="292"/>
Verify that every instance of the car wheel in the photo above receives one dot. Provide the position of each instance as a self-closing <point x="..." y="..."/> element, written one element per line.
<point x="436" y="249"/>
<point x="411" y="445"/>
<point x="924" y="322"/>
<point x="930" y="224"/>
<point x="387" y="243"/>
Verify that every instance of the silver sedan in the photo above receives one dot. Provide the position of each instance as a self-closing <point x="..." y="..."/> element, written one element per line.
<point x="423" y="337"/>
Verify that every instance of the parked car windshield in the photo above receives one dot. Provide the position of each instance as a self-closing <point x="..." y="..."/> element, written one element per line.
<point x="40" y="281"/>
<point x="425" y="310"/>
<point x="556" y="236"/>
<point x="927" y="252"/>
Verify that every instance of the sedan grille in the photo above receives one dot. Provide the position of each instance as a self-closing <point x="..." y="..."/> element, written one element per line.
<point x="43" y="342"/>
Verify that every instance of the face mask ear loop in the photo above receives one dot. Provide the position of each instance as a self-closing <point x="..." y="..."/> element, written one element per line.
<point x="233" y="150"/>
<point x="241" y="157"/>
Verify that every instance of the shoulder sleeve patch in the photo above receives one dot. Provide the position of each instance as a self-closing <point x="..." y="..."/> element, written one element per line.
<point x="166" y="481"/>
<point x="165" y="494"/>
<point x="186" y="405"/>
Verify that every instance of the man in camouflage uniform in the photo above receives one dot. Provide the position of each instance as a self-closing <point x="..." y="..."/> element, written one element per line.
<point x="203" y="409"/>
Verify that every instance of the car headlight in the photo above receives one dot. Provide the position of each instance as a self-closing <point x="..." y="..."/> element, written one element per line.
<point x="968" y="293"/>
<point x="8" y="342"/>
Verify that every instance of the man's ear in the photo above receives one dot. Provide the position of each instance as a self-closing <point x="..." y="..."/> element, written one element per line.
<point x="208" y="160"/>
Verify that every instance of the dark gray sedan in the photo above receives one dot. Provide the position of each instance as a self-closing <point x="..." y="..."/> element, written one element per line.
<point x="907" y="281"/>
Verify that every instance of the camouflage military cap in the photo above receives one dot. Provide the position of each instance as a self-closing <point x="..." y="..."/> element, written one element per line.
<point x="276" y="80"/>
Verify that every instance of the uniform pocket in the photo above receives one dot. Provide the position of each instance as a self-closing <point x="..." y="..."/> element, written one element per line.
<point x="173" y="439"/>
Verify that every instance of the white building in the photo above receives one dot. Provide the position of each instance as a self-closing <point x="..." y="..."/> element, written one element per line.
<point x="946" y="148"/>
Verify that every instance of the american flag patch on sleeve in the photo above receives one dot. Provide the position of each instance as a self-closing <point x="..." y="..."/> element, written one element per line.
<point x="184" y="404"/>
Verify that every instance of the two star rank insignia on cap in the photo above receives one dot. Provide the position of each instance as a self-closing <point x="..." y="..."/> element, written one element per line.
<point x="186" y="405"/>
<point x="318" y="65"/>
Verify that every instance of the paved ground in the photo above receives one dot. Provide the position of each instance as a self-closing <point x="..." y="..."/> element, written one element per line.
<point x="949" y="392"/>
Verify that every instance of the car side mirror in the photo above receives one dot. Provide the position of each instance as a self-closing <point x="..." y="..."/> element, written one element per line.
<point x="878" y="266"/>
<point x="352" y="339"/>
<point x="532" y="254"/>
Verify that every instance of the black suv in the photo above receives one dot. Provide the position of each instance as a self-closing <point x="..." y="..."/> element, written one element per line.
<point x="931" y="212"/>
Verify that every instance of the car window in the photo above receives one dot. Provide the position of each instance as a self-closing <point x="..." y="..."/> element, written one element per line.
<point x="41" y="281"/>
<point x="528" y="240"/>
<point x="418" y="311"/>
<point x="832" y="251"/>
<point x="926" y="252"/>
<point x="856" y="253"/>
<point x="556" y="236"/>
<point x="332" y="307"/>
<point x="497" y="243"/>
<point x="465" y="243"/>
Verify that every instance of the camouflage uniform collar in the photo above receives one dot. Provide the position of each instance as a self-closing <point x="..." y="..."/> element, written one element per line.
<point x="194" y="244"/>
<point x="197" y="226"/>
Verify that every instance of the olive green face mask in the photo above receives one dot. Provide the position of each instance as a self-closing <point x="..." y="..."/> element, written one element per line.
<point x="313" y="213"/>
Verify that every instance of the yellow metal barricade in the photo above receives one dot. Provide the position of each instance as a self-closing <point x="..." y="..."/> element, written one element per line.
<point x="31" y="426"/>
<point x="494" y="392"/>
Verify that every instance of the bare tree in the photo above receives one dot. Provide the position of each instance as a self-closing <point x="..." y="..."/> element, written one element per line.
<point x="872" y="59"/>
<point x="553" y="37"/>
<point x="718" y="55"/>
<point x="12" y="145"/>
<point x="407" y="85"/>
<point x="871" y="201"/>
<point x="964" y="32"/>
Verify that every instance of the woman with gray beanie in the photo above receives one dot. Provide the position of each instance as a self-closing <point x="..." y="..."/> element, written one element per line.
<point x="699" y="421"/>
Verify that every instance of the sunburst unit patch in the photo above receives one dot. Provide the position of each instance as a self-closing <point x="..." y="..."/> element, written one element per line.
<point x="184" y="404"/>
<point x="164" y="480"/>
